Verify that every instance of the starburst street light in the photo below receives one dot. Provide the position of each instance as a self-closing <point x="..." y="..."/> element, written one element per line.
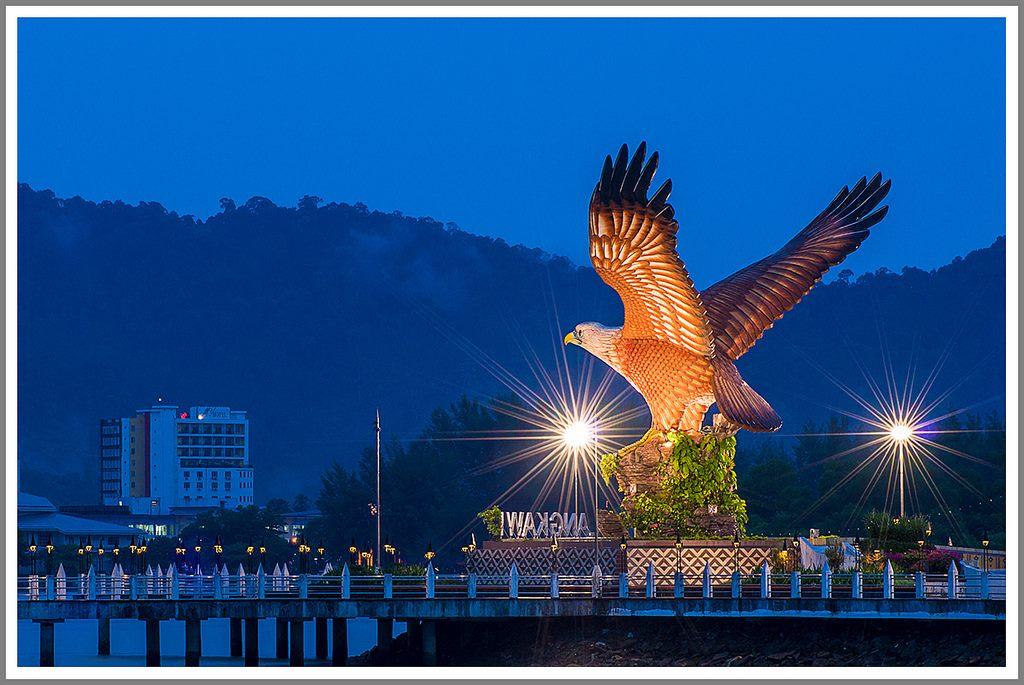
<point x="901" y="432"/>
<point x="578" y="434"/>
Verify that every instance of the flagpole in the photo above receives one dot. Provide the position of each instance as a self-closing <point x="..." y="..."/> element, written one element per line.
<point x="376" y="427"/>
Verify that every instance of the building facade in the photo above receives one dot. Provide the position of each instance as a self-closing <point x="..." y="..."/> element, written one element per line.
<point x="167" y="460"/>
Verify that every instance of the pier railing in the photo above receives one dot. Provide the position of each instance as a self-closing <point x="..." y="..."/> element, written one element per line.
<point x="766" y="583"/>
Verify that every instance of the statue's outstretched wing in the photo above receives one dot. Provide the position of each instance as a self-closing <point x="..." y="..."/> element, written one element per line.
<point x="743" y="306"/>
<point x="633" y="249"/>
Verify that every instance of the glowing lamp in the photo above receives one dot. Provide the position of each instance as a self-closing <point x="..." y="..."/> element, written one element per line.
<point x="900" y="432"/>
<point x="578" y="434"/>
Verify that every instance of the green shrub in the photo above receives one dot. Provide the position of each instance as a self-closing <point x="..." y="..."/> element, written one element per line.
<point x="492" y="520"/>
<point x="696" y="475"/>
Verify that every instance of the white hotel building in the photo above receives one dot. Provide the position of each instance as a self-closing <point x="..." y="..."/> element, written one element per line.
<point x="167" y="460"/>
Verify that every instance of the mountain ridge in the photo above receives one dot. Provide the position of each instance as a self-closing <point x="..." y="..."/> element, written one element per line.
<point x="342" y="308"/>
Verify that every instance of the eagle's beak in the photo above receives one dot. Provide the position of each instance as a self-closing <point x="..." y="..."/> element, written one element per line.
<point x="570" y="339"/>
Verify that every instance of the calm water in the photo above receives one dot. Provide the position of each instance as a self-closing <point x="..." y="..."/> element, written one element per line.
<point x="75" y="642"/>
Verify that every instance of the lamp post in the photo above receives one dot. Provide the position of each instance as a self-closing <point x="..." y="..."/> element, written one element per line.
<point x="88" y="553"/>
<point x="250" y="550"/>
<point x="32" y="552"/>
<point x="218" y="549"/>
<point x="376" y="429"/>
<point x="49" y="554"/>
<point x="320" y="549"/>
<point x="81" y="556"/>
<point x="117" y="553"/>
<point x="179" y="557"/>
<point x="304" y="550"/>
<point x="679" y="552"/>
<point x="856" y="548"/>
<point x="199" y="554"/>
<point x="263" y="555"/>
<point x="736" y="551"/>
<point x="143" y="548"/>
<point x="429" y="554"/>
<point x="353" y="557"/>
<point x="554" y="554"/>
<point x="984" y="548"/>
<point x="99" y="559"/>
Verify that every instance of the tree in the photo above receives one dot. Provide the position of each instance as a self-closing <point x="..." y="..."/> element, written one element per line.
<point x="301" y="502"/>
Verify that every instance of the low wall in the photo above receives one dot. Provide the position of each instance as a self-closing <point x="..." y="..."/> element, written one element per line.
<point x="576" y="557"/>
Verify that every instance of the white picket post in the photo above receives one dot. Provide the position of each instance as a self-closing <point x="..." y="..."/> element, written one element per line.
<point x="857" y="585"/>
<point x="794" y="584"/>
<point x="175" y="587"/>
<point x="918" y="584"/>
<point x="346" y="582"/>
<point x="471" y="586"/>
<point x="826" y="580"/>
<point x="133" y="590"/>
<point x="218" y="591"/>
<point x="595" y="582"/>
<point x="623" y="585"/>
<point x="951" y="581"/>
<point x="303" y="586"/>
<point x="90" y="579"/>
<point x="430" y="580"/>
<point x="705" y="583"/>
<point x="986" y="590"/>
<point x="887" y="580"/>
<point x="49" y="588"/>
<point x="737" y="589"/>
<point x="261" y="583"/>
<point x="766" y="581"/>
<point x="61" y="583"/>
<point x="389" y="586"/>
<point x="649" y="581"/>
<point x="513" y="581"/>
<point x="678" y="586"/>
<point x="554" y="585"/>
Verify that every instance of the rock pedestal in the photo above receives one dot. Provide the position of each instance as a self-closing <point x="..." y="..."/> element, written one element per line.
<point x="638" y="473"/>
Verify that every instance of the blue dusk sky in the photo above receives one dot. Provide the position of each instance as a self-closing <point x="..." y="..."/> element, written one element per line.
<point x="501" y="125"/>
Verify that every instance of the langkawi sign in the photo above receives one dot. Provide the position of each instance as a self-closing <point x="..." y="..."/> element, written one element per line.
<point x="543" y="524"/>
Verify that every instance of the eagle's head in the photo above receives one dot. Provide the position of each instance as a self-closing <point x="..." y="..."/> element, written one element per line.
<point x="596" y="339"/>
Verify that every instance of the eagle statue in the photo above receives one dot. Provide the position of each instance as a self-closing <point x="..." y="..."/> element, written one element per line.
<point x="678" y="346"/>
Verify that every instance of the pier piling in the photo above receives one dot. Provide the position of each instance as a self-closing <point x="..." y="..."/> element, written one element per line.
<point x="297" y="655"/>
<point x="152" y="642"/>
<point x="321" y="639"/>
<point x="339" y="639"/>
<point x="193" y="642"/>
<point x="252" y="642"/>
<point x="235" y="636"/>
<point x="103" y="637"/>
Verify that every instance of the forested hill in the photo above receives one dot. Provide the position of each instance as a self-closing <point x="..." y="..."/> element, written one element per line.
<point x="311" y="317"/>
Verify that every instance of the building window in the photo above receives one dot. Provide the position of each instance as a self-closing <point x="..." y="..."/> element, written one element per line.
<point x="186" y="474"/>
<point x="213" y="487"/>
<point x="188" y="485"/>
<point x="227" y="486"/>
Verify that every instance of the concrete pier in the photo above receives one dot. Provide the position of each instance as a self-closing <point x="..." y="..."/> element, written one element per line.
<point x="429" y="632"/>
<point x="46" y="642"/>
<point x="281" y="641"/>
<point x="103" y="637"/>
<point x="321" y="638"/>
<point x="339" y="640"/>
<point x="235" y="636"/>
<point x="385" y="631"/>
<point x="193" y="642"/>
<point x="297" y="655"/>
<point x="152" y="642"/>
<point x="252" y="642"/>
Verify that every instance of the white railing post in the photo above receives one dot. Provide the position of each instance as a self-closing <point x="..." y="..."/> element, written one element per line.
<point x="554" y="585"/>
<point x="887" y="580"/>
<point x="175" y="584"/>
<point x="857" y="585"/>
<point x="90" y="579"/>
<point x="303" y="586"/>
<point x="513" y="581"/>
<point x="218" y="591"/>
<point x="389" y="586"/>
<point x="705" y="583"/>
<point x="678" y="586"/>
<point x="471" y="586"/>
<point x="261" y="583"/>
<point x="794" y="584"/>
<point x="50" y="594"/>
<point x="133" y="589"/>
<point x="766" y="581"/>
<point x="826" y="580"/>
<point x="951" y="581"/>
<point x="918" y="584"/>
<point x="595" y="582"/>
<point x="985" y="589"/>
<point x="430" y="579"/>
<point x="649" y="581"/>
<point x="61" y="582"/>
<point x="737" y="589"/>
<point x="623" y="585"/>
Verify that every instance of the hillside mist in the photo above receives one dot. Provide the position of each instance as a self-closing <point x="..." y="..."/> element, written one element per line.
<point x="311" y="317"/>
